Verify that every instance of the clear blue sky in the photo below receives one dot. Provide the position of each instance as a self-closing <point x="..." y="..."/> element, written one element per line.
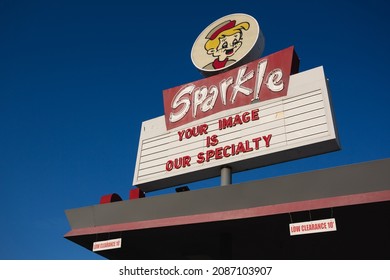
<point x="77" y="78"/>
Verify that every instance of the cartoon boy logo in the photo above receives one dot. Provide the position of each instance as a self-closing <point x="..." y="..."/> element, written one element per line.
<point x="223" y="41"/>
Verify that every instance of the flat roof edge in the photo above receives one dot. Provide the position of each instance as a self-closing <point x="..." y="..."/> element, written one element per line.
<point x="358" y="182"/>
<point x="268" y="210"/>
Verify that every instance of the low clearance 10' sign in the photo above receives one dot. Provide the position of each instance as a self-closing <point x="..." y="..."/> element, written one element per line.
<point x="257" y="81"/>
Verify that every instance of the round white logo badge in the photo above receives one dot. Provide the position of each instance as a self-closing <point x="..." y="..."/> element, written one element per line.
<point x="228" y="42"/>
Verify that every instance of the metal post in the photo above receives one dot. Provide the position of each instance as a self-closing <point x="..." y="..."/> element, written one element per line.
<point x="226" y="176"/>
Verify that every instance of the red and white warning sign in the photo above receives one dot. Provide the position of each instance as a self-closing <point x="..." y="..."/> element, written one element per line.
<point x="107" y="244"/>
<point x="313" y="227"/>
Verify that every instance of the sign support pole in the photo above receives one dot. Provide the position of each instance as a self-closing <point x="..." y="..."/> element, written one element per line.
<point x="226" y="176"/>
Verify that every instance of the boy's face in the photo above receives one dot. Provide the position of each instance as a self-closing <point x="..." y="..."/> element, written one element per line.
<point x="228" y="46"/>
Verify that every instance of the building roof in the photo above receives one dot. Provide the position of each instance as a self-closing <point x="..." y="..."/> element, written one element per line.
<point x="215" y="222"/>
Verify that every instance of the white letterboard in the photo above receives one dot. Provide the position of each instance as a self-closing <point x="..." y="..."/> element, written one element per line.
<point x="297" y="125"/>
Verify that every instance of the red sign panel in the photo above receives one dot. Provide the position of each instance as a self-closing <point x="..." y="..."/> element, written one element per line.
<point x="257" y="81"/>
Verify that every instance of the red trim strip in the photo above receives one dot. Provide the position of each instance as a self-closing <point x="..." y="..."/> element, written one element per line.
<point x="240" y="213"/>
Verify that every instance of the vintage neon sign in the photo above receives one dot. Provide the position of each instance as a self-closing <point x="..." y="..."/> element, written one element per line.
<point x="244" y="114"/>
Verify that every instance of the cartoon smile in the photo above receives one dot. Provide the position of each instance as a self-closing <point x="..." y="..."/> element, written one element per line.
<point x="229" y="51"/>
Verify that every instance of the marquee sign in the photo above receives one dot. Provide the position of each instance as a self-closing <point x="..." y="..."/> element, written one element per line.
<point x="297" y="125"/>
